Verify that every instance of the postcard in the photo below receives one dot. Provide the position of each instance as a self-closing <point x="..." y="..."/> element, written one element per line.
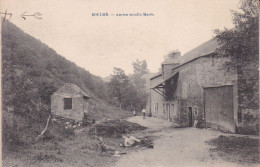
<point x="144" y="83"/>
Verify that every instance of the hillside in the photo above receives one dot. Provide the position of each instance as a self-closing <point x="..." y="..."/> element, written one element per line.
<point x="31" y="72"/>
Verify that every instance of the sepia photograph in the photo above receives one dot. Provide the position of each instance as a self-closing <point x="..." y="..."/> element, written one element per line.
<point x="120" y="83"/>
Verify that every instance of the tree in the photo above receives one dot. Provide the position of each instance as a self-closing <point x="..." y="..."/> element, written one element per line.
<point x="118" y="84"/>
<point x="131" y="100"/>
<point x="241" y="43"/>
<point x="130" y="93"/>
<point x="138" y="79"/>
<point x="140" y="69"/>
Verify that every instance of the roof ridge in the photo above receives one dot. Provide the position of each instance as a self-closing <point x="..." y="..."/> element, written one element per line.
<point x="78" y="89"/>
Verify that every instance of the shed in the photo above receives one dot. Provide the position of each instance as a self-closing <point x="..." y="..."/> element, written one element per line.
<point x="70" y="102"/>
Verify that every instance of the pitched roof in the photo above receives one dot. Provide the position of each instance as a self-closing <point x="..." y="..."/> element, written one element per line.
<point x="202" y="50"/>
<point x="77" y="89"/>
<point x="74" y="87"/>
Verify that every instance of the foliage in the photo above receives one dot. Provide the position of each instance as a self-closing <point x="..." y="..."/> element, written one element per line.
<point x="139" y="81"/>
<point x="118" y="84"/>
<point x="31" y="72"/>
<point x="130" y="92"/>
<point x="242" y="42"/>
<point x="140" y="69"/>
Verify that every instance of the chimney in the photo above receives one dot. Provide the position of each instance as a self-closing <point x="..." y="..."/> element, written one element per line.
<point x="172" y="57"/>
<point x="170" y="61"/>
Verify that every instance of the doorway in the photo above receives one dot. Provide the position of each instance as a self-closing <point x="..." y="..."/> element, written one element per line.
<point x="219" y="108"/>
<point x="190" y="116"/>
<point x="168" y="111"/>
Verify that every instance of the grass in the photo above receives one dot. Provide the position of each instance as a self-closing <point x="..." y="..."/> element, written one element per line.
<point x="242" y="150"/>
<point x="72" y="147"/>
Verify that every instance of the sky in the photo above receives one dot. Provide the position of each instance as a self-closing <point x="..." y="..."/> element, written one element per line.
<point x="99" y="43"/>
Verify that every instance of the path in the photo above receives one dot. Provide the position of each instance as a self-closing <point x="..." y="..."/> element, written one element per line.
<point x="174" y="147"/>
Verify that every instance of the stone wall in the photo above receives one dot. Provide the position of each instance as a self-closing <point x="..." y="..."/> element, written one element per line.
<point x="156" y="100"/>
<point x="79" y="104"/>
<point x="248" y="91"/>
<point x="57" y="107"/>
<point x="206" y="71"/>
<point x="160" y="107"/>
<point x="86" y="105"/>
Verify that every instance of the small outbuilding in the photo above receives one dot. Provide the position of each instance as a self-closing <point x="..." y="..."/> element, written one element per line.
<point x="70" y="102"/>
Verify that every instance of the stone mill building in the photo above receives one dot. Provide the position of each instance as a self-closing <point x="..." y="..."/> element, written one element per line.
<point x="196" y="90"/>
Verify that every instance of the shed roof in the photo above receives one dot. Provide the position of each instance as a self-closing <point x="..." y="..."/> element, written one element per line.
<point x="164" y="80"/>
<point x="158" y="74"/>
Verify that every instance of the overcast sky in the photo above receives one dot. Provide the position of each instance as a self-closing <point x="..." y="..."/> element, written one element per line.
<point x="100" y="43"/>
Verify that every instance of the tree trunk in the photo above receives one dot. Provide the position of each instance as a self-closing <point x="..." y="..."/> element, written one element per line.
<point x="44" y="130"/>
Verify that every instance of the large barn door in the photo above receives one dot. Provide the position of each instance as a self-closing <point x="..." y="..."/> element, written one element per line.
<point x="219" y="108"/>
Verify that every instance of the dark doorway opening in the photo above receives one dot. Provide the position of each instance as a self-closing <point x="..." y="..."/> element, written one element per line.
<point x="190" y="116"/>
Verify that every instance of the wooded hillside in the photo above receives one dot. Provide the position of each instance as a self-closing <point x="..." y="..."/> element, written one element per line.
<point x="31" y="72"/>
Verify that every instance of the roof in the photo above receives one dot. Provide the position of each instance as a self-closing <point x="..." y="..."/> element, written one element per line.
<point x="162" y="81"/>
<point x="77" y="89"/>
<point x="156" y="75"/>
<point x="202" y="50"/>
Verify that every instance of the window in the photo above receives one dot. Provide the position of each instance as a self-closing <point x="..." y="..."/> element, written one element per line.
<point x="67" y="103"/>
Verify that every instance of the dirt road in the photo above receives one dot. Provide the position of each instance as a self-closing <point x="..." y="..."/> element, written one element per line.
<point x="175" y="147"/>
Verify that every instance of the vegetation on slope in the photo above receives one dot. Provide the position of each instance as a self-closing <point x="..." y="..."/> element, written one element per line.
<point x="31" y="72"/>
